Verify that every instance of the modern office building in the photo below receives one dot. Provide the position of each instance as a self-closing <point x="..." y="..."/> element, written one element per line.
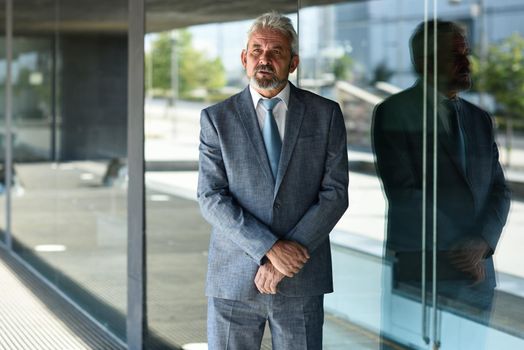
<point x="99" y="131"/>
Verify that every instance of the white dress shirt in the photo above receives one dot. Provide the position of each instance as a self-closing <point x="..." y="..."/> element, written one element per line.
<point x="279" y="111"/>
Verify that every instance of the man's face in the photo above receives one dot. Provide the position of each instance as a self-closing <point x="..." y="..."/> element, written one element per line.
<point x="453" y="63"/>
<point x="268" y="61"/>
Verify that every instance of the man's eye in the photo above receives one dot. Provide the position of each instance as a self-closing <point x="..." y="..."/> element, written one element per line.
<point x="276" y="52"/>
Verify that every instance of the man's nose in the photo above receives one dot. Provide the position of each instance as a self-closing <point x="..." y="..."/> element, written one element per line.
<point x="265" y="57"/>
<point x="465" y="62"/>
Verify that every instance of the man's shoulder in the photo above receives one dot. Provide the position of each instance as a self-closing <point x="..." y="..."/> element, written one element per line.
<point x="398" y="110"/>
<point x="473" y="108"/>
<point x="305" y="96"/>
<point x="478" y="117"/>
<point x="311" y="98"/>
<point x="228" y="104"/>
<point x="406" y="97"/>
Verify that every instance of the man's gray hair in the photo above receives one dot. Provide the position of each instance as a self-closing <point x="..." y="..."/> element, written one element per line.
<point x="276" y="21"/>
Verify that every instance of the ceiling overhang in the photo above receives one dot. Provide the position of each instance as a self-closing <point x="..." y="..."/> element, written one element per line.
<point x="103" y="16"/>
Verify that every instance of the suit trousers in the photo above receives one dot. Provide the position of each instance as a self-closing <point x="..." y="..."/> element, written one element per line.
<point x="294" y="322"/>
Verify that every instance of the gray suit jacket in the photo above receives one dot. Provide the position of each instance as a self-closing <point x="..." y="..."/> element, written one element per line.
<point x="249" y="212"/>
<point x="471" y="204"/>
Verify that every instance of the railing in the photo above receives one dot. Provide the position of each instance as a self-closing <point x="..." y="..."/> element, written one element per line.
<point x="364" y="295"/>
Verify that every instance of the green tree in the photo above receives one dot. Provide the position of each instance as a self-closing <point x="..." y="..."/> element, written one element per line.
<point x="342" y="68"/>
<point x="160" y="61"/>
<point x="195" y="69"/>
<point x="502" y="76"/>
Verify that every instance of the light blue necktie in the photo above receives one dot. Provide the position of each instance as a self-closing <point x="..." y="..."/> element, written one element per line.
<point x="271" y="136"/>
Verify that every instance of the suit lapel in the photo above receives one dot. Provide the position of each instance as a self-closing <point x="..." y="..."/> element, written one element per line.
<point x="294" y="119"/>
<point x="469" y="140"/>
<point x="248" y="116"/>
<point x="445" y="146"/>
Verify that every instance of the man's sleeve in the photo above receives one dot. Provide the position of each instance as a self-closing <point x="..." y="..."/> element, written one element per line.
<point x="319" y="220"/>
<point x="497" y="207"/>
<point x="393" y="160"/>
<point x="229" y="220"/>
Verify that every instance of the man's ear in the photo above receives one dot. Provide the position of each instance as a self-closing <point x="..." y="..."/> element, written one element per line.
<point x="294" y="63"/>
<point x="243" y="58"/>
<point x="419" y="66"/>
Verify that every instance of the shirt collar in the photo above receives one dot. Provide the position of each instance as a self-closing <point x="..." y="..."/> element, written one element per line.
<point x="283" y="95"/>
<point x="441" y="98"/>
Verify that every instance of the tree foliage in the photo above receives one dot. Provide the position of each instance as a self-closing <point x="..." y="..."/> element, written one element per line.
<point x="502" y="75"/>
<point x="342" y="68"/>
<point x="195" y="69"/>
<point x="159" y="60"/>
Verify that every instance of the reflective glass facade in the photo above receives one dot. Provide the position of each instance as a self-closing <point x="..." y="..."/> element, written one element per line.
<point x="68" y="210"/>
<point x="419" y="203"/>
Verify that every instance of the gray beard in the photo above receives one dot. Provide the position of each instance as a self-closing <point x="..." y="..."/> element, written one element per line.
<point x="266" y="84"/>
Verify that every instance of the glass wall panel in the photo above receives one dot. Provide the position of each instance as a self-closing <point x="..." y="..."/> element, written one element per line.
<point x="479" y="174"/>
<point x="409" y="198"/>
<point x="2" y="121"/>
<point x="69" y="149"/>
<point x="192" y="61"/>
<point x="357" y="53"/>
<point x="402" y="254"/>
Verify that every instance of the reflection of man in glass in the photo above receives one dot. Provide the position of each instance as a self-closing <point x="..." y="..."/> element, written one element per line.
<point x="472" y="197"/>
<point x="273" y="182"/>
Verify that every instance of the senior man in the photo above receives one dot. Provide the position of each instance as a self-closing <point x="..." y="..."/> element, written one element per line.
<point x="272" y="183"/>
<point x="472" y="198"/>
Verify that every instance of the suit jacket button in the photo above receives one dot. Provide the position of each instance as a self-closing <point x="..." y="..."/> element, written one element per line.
<point x="277" y="206"/>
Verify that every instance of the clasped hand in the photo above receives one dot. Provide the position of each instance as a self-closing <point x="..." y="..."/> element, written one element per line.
<point x="285" y="259"/>
<point x="268" y="278"/>
<point x="288" y="257"/>
<point x="468" y="257"/>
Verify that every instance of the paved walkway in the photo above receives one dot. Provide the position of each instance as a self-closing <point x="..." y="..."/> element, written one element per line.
<point x="88" y="222"/>
<point x="34" y="317"/>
